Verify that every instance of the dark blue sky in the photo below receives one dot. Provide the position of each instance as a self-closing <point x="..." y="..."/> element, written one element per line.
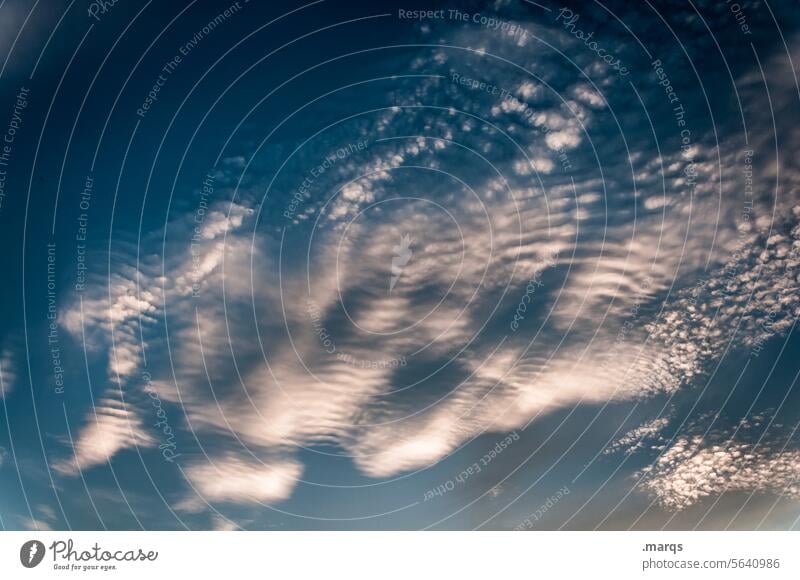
<point x="335" y="265"/>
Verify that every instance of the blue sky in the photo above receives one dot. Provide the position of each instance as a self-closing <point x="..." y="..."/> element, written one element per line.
<point x="327" y="266"/>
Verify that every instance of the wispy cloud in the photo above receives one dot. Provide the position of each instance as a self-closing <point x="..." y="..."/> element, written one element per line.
<point x="110" y="427"/>
<point x="249" y="366"/>
<point x="704" y="464"/>
<point x="8" y="374"/>
<point x="233" y="479"/>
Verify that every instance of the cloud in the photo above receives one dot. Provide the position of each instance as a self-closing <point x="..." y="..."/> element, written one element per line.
<point x="121" y="312"/>
<point x="754" y="294"/>
<point x="220" y="524"/>
<point x="635" y="438"/>
<point x="695" y="467"/>
<point x="253" y="366"/>
<point x="232" y="479"/>
<point x="35" y="525"/>
<point x="8" y="375"/>
<point x="710" y="456"/>
<point x="111" y="427"/>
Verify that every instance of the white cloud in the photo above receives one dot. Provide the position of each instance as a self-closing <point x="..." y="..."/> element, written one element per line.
<point x="636" y="438"/>
<point x="232" y="479"/>
<point x="297" y="393"/>
<point x="220" y="524"/>
<point x="691" y="470"/>
<point x="123" y="318"/>
<point x="8" y="375"/>
<point x="588" y="95"/>
<point x="111" y="427"/>
<point x="35" y="525"/>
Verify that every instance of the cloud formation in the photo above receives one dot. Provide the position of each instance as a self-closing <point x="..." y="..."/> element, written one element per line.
<point x="274" y="334"/>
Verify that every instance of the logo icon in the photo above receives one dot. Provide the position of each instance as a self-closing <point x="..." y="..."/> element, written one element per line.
<point x="31" y="553"/>
<point x="402" y="254"/>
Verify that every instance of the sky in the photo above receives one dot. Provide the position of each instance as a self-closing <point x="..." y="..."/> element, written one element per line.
<point x="503" y="265"/>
